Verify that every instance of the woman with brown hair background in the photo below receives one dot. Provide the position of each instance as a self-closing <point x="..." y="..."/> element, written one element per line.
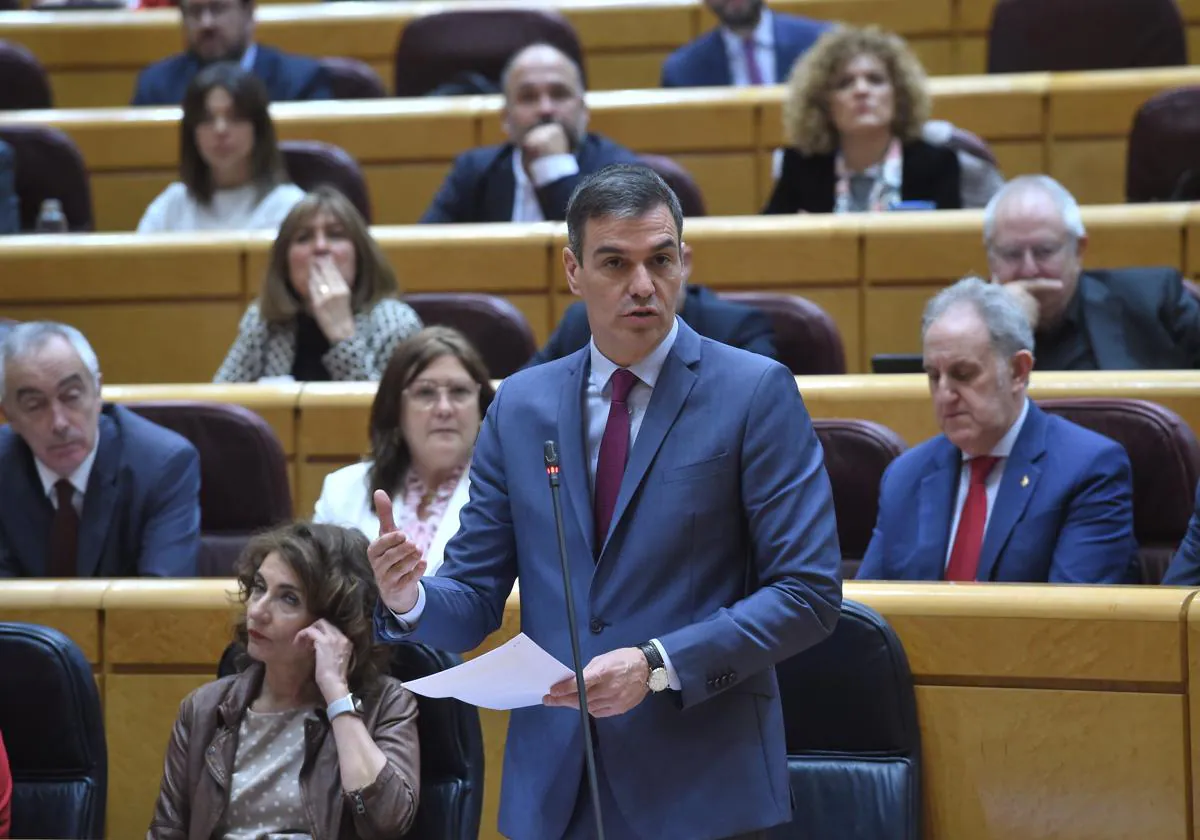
<point x="231" y="174"/>
<point x="329" y="309"/>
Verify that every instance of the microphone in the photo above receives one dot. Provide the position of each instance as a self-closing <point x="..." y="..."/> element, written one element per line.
<point x="550" y="452"/>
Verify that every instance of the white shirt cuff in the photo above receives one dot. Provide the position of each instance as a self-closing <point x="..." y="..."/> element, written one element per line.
<point x="672" y="677"/>
<point x="409" y="619"/>
<point x="551" y="168"/>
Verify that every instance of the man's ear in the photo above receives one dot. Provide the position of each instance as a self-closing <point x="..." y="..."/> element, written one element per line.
<point x="685" y="260"/>
<point x="1080" y="246"/>
<point x="571" y="265"/>
<point x="1022" y="366"/>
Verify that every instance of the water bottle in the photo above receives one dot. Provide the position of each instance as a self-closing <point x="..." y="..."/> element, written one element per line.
<point x="51" y="218"/>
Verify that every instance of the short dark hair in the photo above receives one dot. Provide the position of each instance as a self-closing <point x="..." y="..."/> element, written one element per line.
<point x="339" y="586"/>
<point x="389" y="450"/>
<point x="619" y="191"/>
<point x="250" y="102"/>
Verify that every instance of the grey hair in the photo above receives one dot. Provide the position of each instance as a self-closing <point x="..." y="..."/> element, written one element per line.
<point x="618" y="191"/>
<point x="512" y="60"/>
<point x="31" y="336"/>
<point x="1067" y="205"/>
<point x="1008" y="328"/>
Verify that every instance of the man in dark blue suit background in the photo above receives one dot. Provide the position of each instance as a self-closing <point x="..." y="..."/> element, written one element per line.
<point x="752" y="46"/>
<point x="1007" y="492"/>
<point x="223" y="30"/>
<point x="549" y="149"/>
<point x="86" y="490"/>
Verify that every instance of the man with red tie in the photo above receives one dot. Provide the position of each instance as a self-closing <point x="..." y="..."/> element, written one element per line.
<point x="1006" y="492"/>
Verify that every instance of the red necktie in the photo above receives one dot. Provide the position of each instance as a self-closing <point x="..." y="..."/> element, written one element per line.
<point x="753" y="72"/>
<point x="614" y="449"/>
<point x="64" y="533"/>
<point x="964" y="558"/>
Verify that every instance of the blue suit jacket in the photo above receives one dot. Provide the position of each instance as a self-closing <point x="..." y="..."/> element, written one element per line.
<point x="1185" y="565"/>
<point x="141" y="511"/>
<point x="289" y="78"/>
<point x="704" y="62"/>
<point x="723" y="546"/>
<point x="1063" y="514"/>
<point x="481" y="185"/>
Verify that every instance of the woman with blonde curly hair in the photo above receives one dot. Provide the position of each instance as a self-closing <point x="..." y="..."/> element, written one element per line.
<point x="855" y="108"/>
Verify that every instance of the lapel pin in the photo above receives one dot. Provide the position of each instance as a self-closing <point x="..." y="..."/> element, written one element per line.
<point x="1024" y="481"/>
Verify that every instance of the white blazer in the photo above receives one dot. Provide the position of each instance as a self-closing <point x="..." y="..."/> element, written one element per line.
<point x="344" y="502"/>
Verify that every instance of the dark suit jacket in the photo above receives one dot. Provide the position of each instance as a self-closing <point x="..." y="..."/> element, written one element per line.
<point x="729" y="323"/>
<point x="806" y="182"/>
<point x="141" y="511"/>
<point x="1063" y="513"/>
<point x="289" y="78"/>
<point x="704" y="62"/>
<point x="1185" y="565"/>
<point x="1140" y="319"/>
<point x="481" y="185"/>
<point x="10" y="211"/>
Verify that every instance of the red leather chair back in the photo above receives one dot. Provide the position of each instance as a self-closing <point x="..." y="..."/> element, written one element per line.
<point x="1029" y="35"/>
<point x="23" y="81"/>
<point x="807" y="339"/>
<point x="352" y="79"/>
<point x="436" y="48"/>
<point x="48" y="165"/>
<point x="1165" y="458"/>
<point x="311" y="164"/>
<point x="691" y="199"/>
<point x="494" y="326"/>
<point x="1164" y="145"/>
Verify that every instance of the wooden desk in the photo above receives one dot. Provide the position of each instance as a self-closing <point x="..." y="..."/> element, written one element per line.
<point x="1071" y="125"/>
<point x="1065" y="711"/>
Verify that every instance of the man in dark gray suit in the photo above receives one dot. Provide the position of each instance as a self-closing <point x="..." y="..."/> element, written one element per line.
<point x="1118" y="319"/>
<point x="86" y="490"/>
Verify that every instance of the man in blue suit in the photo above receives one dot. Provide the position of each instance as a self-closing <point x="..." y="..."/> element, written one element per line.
<point x="701" y="541"/>
<point x="1185" y="565"/>
<point x="752" y="46"/>
<point x="87" y="490"/>
<point x="223" y="30"/>
<point x="1007" y="492"/>
<point x="549" y="149"/>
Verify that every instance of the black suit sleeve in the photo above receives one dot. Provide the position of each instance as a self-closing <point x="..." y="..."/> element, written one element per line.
<point x="948" y="189"/>
<point x="1181" y="317"/>
<point x="1185" y="565"/>
<point x="454" y="197"/>
<point x="787" y="197"/>
<point x="571" y="334"/>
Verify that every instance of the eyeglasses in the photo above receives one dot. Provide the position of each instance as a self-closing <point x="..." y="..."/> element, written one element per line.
<point x="425" y="394"/>
<point x="1041" y="253"/>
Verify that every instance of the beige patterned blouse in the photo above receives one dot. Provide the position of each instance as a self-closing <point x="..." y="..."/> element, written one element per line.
<point x="264" y="797"/>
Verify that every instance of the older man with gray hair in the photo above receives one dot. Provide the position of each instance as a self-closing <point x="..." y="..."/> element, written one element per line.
<point x="1006" y="492"/>
<point x="1119" y="319"/>
<point x="87" y="489"/>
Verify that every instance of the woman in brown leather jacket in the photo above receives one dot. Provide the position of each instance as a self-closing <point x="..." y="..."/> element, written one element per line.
<point x="310" y="740"/>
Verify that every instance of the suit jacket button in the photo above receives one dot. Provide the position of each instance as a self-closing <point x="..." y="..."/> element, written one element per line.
<point x="596" y="626"/>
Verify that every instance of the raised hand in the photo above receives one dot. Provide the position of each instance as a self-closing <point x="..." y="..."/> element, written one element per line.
<point x="397" y="563"/>
<point x="332" y="652"/>
<point x="329" y="299"/>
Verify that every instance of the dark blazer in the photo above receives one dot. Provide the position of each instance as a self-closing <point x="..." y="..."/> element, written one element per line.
<point x="1140" y="319"/>
<point x="734" y="324"/>
<point x="1185" y="565"/>
<point x="289" y="78"/>
<point x="1063" y="514"/>
<point x="10" y="210"/>
<point x="481" y="186"/>
<point x="141" y="511"/>
<point x="806" y="182"/>
<point x="704" y="62"/>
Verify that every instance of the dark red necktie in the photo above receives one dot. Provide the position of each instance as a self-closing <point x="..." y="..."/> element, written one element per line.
<point x="614" y="450"/>
<point x="964" y="558"/>
<point x="64" y="533"/>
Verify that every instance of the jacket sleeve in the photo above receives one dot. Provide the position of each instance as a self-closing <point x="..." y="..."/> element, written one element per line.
<point x="948" y="190"/>
<point x="1096" y="542"/>
<point x="143" y="93"/>
<point x="452" y="203"/>
<point x="385" y="808"/>
<point x="872" y="566"/>
<point x="363" y="356"/>
<point x="786" y="195"/>
<point x="568" y="336"/>
<point x="316" y="87"/>
<point x="244" y="361"/>
<point x="755" y="333"/>
<point x="1181" y="317"/>
<point x="1185" y="565"/>
<point x="553" y="197"/>
<point x="172" y="811"/>
<point x="170" y="543"/>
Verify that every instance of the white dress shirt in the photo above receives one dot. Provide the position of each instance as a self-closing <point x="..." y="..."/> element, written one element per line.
<point x="764" y="51"/>
<point x="1001" y="450"/>
<point x="597" y="401"/>
<point x="545" y="170"/>
<point x="78" y="479"/>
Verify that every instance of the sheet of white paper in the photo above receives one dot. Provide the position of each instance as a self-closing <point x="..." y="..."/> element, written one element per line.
<point x="516" y="674"/>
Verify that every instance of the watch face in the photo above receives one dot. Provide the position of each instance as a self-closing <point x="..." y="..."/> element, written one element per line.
<point x="658" y="679"/>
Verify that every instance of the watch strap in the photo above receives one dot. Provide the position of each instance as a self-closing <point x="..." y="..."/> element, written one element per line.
<point x="653" y="657"/>
<point x="348" y="705"/>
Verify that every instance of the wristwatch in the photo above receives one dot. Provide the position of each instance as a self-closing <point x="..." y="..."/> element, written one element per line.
<point x="348" y="705"/>
<point x="658" y="670"/>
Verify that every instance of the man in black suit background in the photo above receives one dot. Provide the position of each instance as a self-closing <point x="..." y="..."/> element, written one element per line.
<point x="734" y="324"/>
<point x="1118" y="319"/>
<point x="549" y="149"/>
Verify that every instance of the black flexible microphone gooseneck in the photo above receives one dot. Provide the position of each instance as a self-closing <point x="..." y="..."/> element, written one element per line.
<point x="550" y="451"/>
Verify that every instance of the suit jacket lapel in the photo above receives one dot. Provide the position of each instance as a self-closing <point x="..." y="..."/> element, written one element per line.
<point x="675" y="382"/>
<point x="1104" y="325"/>
<point x="1020" y="478"/>
<point x="713" y="61"/>
<point x="500" y="187"/>
<point x="100" y="498"/>
<point x="935" y="506"/>
<point x="572" y="448"/>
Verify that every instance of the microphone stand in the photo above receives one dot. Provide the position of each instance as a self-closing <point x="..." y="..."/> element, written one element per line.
<point x="550" y="450"/>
